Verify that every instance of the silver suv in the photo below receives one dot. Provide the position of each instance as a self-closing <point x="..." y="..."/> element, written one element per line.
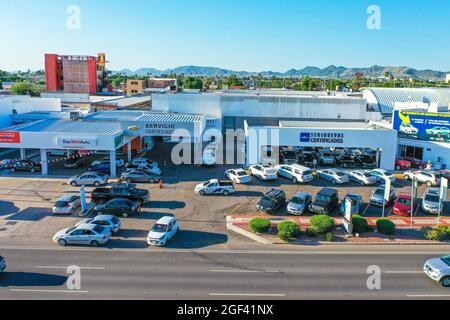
<point x="431" y="201"/>
<point x="428" y="177"/>
<point x="438" y="270"/>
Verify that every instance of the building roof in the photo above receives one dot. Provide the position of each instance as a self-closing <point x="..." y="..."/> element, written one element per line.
<point x="70" y="127"/>
<point x="327" y="124"/>
<point x="144" y="116"/>
<point x="126" y="102"/>
<point x="387" y="97"/>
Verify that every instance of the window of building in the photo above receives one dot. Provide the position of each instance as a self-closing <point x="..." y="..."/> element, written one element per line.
<point x="411" y="152"/>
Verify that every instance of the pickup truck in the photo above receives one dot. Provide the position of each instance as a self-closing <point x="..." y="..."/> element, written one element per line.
<point x="215" y="186"/>
<point x="128" y="191"/>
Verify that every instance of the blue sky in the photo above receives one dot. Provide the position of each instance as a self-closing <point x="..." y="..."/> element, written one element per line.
<point x="252" y="35"/>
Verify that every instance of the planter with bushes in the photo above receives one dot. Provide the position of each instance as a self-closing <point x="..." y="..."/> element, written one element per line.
<point x="322" y="223"/>
<point x="360" y="224"/>
<point x="440" y="233"/>
<point x="288" y="230"/>
<point x="385" y="226"/>
<point x="259" y="225"/>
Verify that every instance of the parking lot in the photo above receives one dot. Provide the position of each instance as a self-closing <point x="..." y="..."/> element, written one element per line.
<point x="26" y="202"/>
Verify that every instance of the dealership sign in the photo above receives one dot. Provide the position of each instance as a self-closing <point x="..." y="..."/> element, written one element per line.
<point x="322" y="137"/>
<point x="422" y="125"/>
<point x="160" y="129"/>
<point x="77" y="143"/>
<point x="10" y="137"/>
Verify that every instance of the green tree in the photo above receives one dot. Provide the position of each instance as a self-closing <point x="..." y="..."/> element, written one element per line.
<point x="192" y="83"/>
<point x="25" y="88"/>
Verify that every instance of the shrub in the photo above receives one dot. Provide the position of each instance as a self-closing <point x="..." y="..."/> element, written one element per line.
<point x="385" y="226"/>
<point x="289" y="226"/>
<point x="259" y="225"/>
<point x="311" y="232"/>
<point x="322" y="223"/>
<point x="360" y="224"/>
<point x="441" y="233"/>
<point x="329" y="237"/>
<point x="285" y="235"/>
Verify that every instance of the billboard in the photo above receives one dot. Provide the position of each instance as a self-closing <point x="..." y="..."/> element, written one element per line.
<point x="10" y="137"/>
<point x="422" y="125"/>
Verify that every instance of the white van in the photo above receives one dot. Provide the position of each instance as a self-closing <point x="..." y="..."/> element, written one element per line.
<point x="296" y="173"/>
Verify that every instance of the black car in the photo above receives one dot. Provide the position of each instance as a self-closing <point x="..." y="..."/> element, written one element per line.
<point x="272" y="201"/>
<point x="122" y="190"/>
<point x="366" y="161"/>
<point x="345" y="161"/>
<point x="75" y="163"/>
<point x="326" y="201"/>
<point x="288" y="157"/>
<point x="119" y="207"/>
<point x="308" y="158"/>
<point x="25" y="166"/>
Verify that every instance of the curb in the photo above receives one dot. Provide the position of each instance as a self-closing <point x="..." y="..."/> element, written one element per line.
<point x="246" y="233"/>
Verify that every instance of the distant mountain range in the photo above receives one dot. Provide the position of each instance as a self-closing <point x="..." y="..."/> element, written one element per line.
<point x="328" y="72"/>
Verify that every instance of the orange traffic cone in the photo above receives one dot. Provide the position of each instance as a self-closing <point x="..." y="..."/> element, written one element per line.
<point x="161" y="183"/>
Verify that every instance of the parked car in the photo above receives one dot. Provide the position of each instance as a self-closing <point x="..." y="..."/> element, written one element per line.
<point x="296" y="173"/>
<point x="120" y="163"/>
<point x="431" y="202"/>
<point x="88" y="179"/>
<point x="346" y="162"/>
<point x="2" y="264"/>
<point x="163" y="230"/>
<point x="326" y="158"/>
<point x="402" y="164"/>
<point x="144" y="161"/>
<point x="299" y="204"/>
<point x="58" y="153"/>
<point x="24" y="166"/>
<point x="119" y="207"/>
<point x="272" y="201"/>
<point x="366" y="161"/>
<point x="408" y="129"/>
<point x="264" y="172"/>
<point x="308" y="158"/>
<point x="144" y="166"/>
<point x="382" y="175"/>
<point x="238" y="176"/>
<point x="75" y="163"/>
<point x="5" y="163"/>
<point x="357" y="202"/>
<point x="87" y="234"/>
<point x="430" y="178"/>
<point x="140" y="176"/>
<point x="67" y="205"/>
<point x="439" y="132"/>
<point x="362" y="177"/>
<point x="377" y="199"/>
<point x="402" y="205"/>
<point x="325" y="202"/>
<point x="121" y="190"/>
<point x="107" y="221"/>
<point x="416" y="163"/>
<point x="439" y="270"/>
<point x="333" y="175"/>
<point x="288" y="157"/>
<point x="215" y="186"/>
<point x="103" y="167"/>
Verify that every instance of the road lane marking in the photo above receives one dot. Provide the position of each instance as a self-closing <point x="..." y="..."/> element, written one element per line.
<point x="404" y="272"/>
<point x="249" y="294"/>
<point x="428" y="295"/>
<point x="244" y="271"/>
<point x="48" y="291"/>
<point x="65" y="267"/>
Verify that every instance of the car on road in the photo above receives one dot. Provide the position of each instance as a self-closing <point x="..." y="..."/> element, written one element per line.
<point x="431" y="202"/>
<point x="408" y="129"/>
<point x="163" y="230"/>
<point x="118" y="207"/>
<point x="402" y="205"/>
<point x="140" y="176"/>
<point x="272" y="201"/>
<point x="75" y="163"/>
<point x="402" y="164"/>
<point x="215" y="186"/>
<point x="296" y="173"/>
<point x="67" y="204"/>
<point x="121" y="190"/>
<point x="357" y="203"/>
<point x="299" y="203"/>
<point x="85" y="234"/>
<point x="439" y="132"/>
<point x="335" y="176"/>
<point x="107" y="221"/>
<point x="377" y="199"/>
<point x="88" y="179"/>
<point x="144" y="161"/>
<point x="239" y="176"/>
<point x="382" y="175"/>
<point x="120" y="163"/>
<point x="264" y="172"/>
<point x="325" y="202"/>
<point x="24" y="166"/>
<point x="430" y="178"/>
<point x="364" y="178"/>
<point x="439" y="270"/>
<point x="2" y="264"/>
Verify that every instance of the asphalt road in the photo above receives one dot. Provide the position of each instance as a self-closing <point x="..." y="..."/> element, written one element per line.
<point x="40" y="273"/>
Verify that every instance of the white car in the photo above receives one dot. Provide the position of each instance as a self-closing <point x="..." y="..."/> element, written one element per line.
<point x="87" y="234"/>
<point x="107" y="221"/>
<point x="439" y="270"/>
<point x="428" y="177"/>
<point x="407" y="128"/>
<point x="144" y="161"/>
<point x="364" y="178"/>
<point x="238" y="176"/>
<point x="333" y="175"/>
<point x="264" y="172"/>
<point x="120" y="163"/>
<point x="431" y="202"/>
<point x="88" y="179"/>
<point x="382" y="175"/>
<point x="163" y="230"/>
<point x="67" y="205"/>
<point x="146" y="167"/>
<point x="296" y="173"/>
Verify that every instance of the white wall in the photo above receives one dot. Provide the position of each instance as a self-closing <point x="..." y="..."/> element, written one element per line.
<point x="431" y="150"/>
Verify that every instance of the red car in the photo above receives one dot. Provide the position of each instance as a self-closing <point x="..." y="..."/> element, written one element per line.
<point x="416" y="163"/>
<point x="402" y="206"/>
<point x="402" y="164"/>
